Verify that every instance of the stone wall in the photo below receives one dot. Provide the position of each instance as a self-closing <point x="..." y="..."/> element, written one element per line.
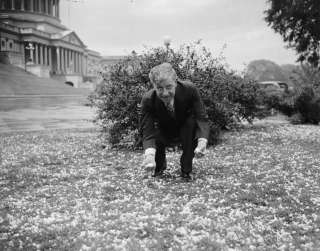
<point x="39" y="70"/>
<point x="75" y="80"/>
<point x="12" y="57"/>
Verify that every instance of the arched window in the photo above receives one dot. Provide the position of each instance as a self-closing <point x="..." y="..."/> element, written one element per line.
<point x="3" y="45"/>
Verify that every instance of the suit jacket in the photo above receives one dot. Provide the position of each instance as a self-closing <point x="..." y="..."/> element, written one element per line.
<point x="155" y="116"/>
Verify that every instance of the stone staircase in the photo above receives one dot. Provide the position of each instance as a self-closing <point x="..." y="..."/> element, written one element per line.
<point x="15" y="81"/>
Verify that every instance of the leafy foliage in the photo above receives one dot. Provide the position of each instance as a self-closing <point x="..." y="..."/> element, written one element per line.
<point x="304" y="101"/>
<point x="299" y="24"/>
<point x="228" y="97"/>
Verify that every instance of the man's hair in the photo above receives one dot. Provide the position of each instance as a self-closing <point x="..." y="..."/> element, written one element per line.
<point x="161" y="72"/>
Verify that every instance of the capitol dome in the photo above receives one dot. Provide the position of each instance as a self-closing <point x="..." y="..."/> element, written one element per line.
<point x="33" y="37"/>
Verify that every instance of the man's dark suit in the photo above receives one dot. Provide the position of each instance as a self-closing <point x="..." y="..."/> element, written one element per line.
<point x="188" y="123"/>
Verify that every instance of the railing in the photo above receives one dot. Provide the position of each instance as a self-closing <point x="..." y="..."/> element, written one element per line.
<point x="18" y="11"/>
<point x="9" y="27"/>
<point x="24" y="30"/>
<point x="34" y="31"/>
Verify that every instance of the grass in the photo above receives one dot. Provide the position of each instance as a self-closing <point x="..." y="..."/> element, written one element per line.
<point x="257" y="190"/>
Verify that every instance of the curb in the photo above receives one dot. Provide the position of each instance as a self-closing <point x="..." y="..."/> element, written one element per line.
<point x="41" y="96"/>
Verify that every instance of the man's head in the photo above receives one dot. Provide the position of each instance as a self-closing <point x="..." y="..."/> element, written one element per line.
<point x="163" y="77"/>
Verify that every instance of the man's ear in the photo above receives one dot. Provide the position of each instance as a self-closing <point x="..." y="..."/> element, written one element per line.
<point x="150" y="85"/>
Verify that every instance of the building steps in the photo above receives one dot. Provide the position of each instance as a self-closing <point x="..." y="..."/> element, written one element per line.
<point x="16" y="81"/>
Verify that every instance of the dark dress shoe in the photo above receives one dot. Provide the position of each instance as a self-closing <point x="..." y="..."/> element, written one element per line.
<point x="158" y="174"/>
<point x="186" y="176"/>
<point x="159" y="171"/>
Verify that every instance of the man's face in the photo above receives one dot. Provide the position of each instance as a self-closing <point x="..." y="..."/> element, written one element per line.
<point x="166" y="89"/>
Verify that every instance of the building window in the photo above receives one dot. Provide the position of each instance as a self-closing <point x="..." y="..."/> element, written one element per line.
<point x="3" y="45"/>
<point x="10" y="45"/>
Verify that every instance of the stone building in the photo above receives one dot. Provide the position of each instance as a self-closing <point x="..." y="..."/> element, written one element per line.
<point x="33" y="37"/>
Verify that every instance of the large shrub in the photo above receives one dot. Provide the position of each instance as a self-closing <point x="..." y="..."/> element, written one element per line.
<point x="228" y="98"/>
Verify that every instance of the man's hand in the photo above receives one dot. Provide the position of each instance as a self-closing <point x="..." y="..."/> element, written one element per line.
<point x="201" y="148"/>
<point x="149" y="162"/>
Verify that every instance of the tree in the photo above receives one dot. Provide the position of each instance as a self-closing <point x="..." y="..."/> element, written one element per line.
<point x="298" y="21"/>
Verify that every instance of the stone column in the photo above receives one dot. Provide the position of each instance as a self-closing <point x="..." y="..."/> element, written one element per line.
<point x="45" y="55"/>
<point x="41" y="54"/>
<point x="71" y="62"/>
<point x="74" y="57"/>
<point x="49" y="7"/>
<point x="39" y="6"/>
<point x="58" y="60"/>
<point x="58" y="11"/>
<point x="31" y="6"/>
<point x="77" y="65"/>
<point x="62" y="59"/>
<point x="76" y="62"/>
<point x="67" y="58"/>
<point x="12" y="5"/>
<point x="63" y="51"/>
<point x="85" y="66"/>
<point x="79" y="69"/>
<point x="50" y="58"/>
<point x="22" y="5"/>
<point x="37" y="54"/>
<point x="81" y="64"/>
<point x="54" y="7"/>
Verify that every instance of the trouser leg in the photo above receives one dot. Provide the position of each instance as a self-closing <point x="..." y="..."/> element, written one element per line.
<point x="160" y="158"/>
<point x="188" y="142"/>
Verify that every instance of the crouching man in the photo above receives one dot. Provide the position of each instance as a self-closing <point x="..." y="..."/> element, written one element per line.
<point x="172" y="111"/>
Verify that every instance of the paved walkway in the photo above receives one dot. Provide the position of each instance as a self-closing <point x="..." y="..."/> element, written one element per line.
<point x="32" y="113"/>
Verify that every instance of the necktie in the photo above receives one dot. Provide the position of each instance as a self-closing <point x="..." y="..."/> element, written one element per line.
<point x="170" y="108"/>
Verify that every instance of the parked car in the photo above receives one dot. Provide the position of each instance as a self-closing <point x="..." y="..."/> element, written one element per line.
<point x="274" y="87"/>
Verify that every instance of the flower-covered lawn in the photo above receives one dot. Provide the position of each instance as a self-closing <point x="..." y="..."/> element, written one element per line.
<point x="259" y="189"/>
